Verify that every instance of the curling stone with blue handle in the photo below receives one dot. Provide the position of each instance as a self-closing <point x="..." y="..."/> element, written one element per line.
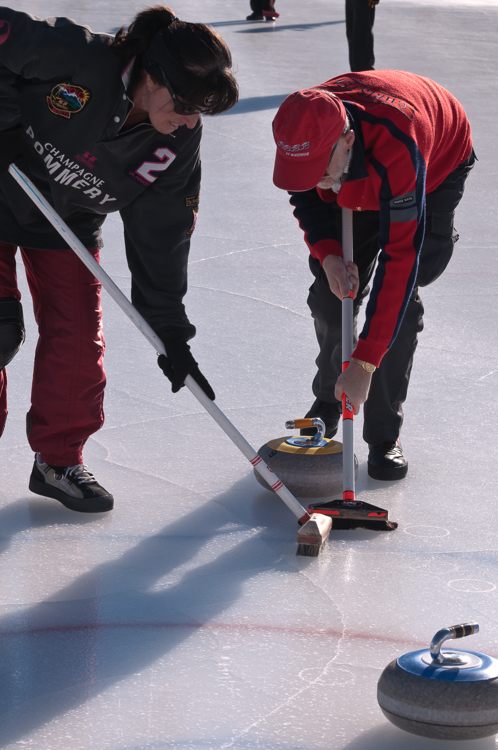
<point x="445" y="695"/>
<point x="308" y="466"/>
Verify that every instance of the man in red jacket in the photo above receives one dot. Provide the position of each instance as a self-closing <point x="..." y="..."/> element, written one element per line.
<point x="396" y="148"/>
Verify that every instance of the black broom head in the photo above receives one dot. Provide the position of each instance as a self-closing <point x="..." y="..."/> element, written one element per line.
<point x="354" y="514"/>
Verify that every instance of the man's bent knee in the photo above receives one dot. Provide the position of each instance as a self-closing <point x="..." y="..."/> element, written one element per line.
<point x="12" y="331"/>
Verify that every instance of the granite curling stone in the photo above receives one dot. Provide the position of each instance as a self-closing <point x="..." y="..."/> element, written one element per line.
<point x="308" y="467"/>
<point x="444" y="695"/>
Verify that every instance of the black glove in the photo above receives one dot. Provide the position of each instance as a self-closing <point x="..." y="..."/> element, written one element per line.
<point x="10" y="146"/>
<point x="179" y="363"/>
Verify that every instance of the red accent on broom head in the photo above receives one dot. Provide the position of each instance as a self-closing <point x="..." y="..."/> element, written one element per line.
<point x="349" y="513"/>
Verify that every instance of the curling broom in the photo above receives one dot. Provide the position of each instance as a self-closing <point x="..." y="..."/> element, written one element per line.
<point x="313" y="534"/>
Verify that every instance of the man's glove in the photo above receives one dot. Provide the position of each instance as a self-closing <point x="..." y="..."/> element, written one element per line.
<point x="10" y="146"/>
<point x="179" y="363"/>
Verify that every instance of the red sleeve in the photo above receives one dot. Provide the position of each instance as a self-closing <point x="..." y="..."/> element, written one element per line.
<point x="401" y="185"/>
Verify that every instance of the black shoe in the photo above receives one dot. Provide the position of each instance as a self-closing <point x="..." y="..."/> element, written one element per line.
<point x="73" y="486"/>
<point x="256" y="16"/>
<point x="328" y="413"/>
<point x="387" y="461"/>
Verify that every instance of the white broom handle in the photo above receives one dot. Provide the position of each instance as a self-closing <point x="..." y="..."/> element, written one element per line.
<point x="115" y="292"/>
<point x="347" y="350"/>
<point x="347" y="234"/>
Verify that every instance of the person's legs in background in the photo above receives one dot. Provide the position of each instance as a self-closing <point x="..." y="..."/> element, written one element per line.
<point x="263" y="10"/>
<point x="360" y="17"/>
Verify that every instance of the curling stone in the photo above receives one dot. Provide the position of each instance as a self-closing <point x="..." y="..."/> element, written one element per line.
<point x="309" y="467"/>
<point x="445" y="695"/>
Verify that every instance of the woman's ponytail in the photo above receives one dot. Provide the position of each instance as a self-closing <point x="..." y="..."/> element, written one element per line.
<point x="134" y="40"/>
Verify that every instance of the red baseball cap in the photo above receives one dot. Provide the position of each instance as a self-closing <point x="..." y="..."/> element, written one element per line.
<point x="305" y="128"/>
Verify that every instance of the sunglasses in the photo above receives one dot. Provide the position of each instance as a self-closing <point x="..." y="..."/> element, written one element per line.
<point x="181" y="108"/>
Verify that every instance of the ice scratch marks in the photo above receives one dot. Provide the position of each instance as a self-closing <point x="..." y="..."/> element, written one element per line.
<point x="273" y="246"/>
<point x="340" y="677"/>
<point x="254" y="299"/>
<point x="493" y="372"/>
<point x="308" y="679"/>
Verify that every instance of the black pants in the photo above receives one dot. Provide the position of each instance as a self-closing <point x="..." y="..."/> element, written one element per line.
<point x="359" y="31"/>
<point x="383" y="410"/>
<point x="260" y="5"/>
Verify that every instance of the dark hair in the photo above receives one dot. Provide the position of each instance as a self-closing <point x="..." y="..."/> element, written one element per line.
<point x="200" y="52"/>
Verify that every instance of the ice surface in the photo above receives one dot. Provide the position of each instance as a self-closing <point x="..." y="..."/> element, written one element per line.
<point x="184" y="619"/>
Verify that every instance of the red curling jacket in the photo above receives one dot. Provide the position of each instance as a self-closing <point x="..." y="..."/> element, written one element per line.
<point x="410" y="134"/>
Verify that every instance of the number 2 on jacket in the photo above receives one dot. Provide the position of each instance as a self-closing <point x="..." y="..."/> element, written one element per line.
<point x="165" y="156"/>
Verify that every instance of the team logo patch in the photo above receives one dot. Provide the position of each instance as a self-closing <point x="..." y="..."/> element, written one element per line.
<point x="87" y="158"/>
<point x="363" y="93"/>
<point x="193" y="203"/>
<point x="4" y="31"/>
<point x="402" y="200"/>
<point x="66" y="99"/>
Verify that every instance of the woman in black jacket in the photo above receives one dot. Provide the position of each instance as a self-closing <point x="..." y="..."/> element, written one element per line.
<point x="100" y="124"/>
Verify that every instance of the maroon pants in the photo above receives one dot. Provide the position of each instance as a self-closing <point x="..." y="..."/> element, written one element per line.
<point x="68" y="378"/>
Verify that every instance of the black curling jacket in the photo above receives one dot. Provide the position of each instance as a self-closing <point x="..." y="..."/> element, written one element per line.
<point x="67" y="88"/>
